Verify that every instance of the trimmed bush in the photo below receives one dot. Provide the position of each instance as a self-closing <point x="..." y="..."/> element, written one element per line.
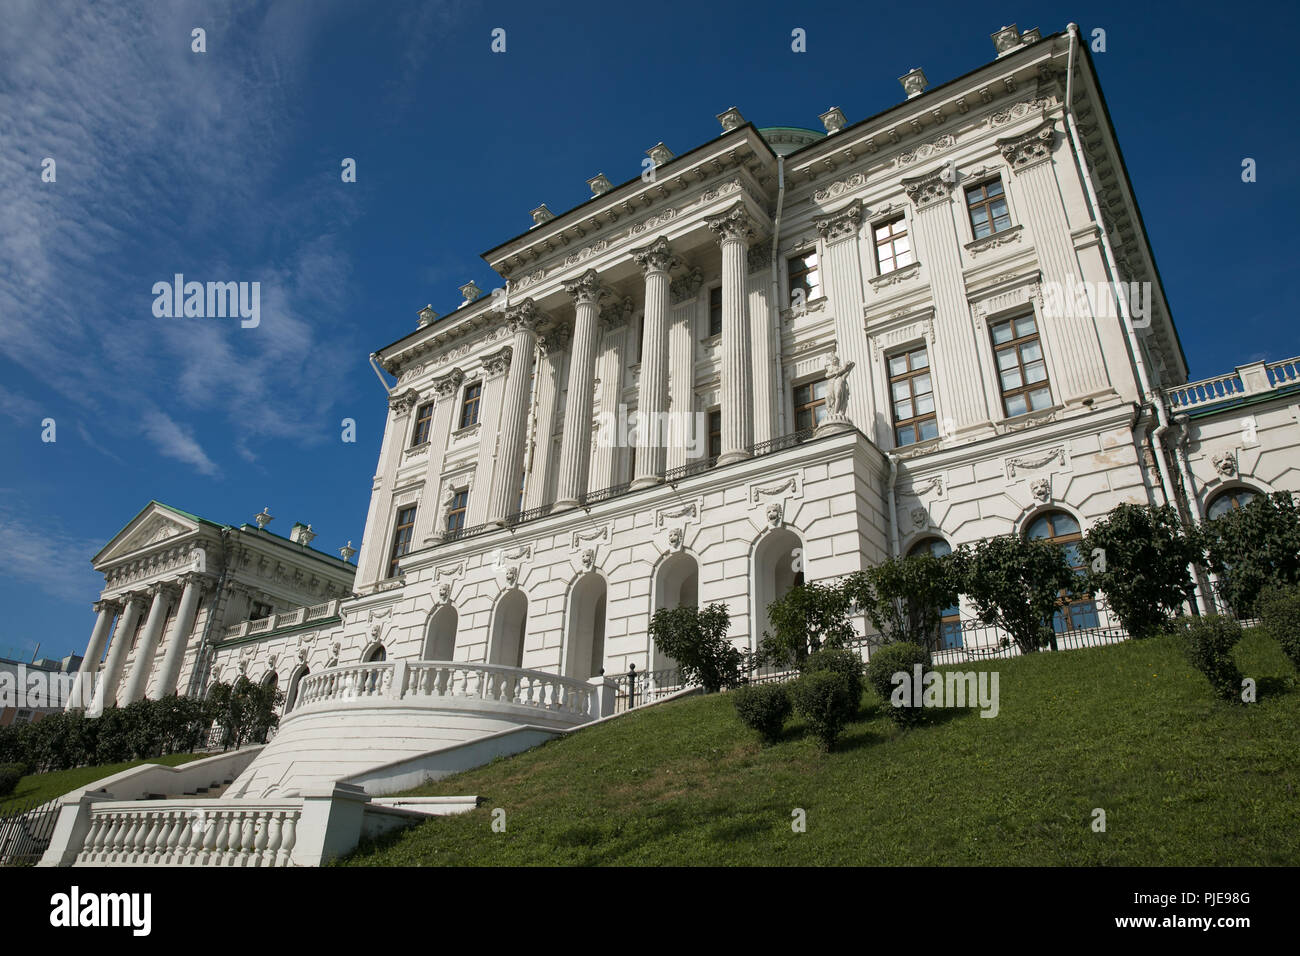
<point x="884" y="664"/>
<point x="1208" y="644"/>
<point x="843" y="662"/>
<point x="763" y="708"/>
<point x="10" y="774"/>
<point x="1279" y="612"/>
<point x="823" y="699"/>
<point x="697" y="641"/>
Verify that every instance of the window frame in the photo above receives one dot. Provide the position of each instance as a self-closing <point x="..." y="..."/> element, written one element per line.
<point x="791" y="285"/>
<point x="812" y="406"/>
<point x="877" y="243"/>
<point x="466" y="398"/>
<point x="403" y="537"/>
<point x="1016" y="342"/>
<point x="715" y="290"/>
<point x="1069" y="601"/>
<point x="423" y="428"/>
<point x="710" y="453"/>
<point x="987" y="204"/>
<point x="459" y="496"/>
<point x="908" y="376"/>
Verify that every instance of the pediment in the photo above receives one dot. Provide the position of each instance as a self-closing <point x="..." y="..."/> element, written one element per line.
<point x="155" y="525"/>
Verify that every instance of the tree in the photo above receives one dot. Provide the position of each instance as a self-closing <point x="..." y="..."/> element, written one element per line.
<point x="1139" y="558"/>
<point x="809" y="617"/>
<point x="905" y="597"/>
<point x="1016" y="584"/>
<point x="697" y="641"/>
<point x="245" y="711"/>
<point x="1254" y="547"/>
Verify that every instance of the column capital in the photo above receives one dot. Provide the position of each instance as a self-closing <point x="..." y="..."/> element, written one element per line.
<point x="204" y="582"/>
<point x="523" y="317"/>
<point x="101" y="606"/>
<point x="554" y="339"/>
<point x="733" y="225"/>
<point x="498" y="363"/>
<point x="445" y="386"/>
<point x="842" y="224"/>
<point x="656" y="257"/>
<point x="616" y="314"/>
<point x="687" y="287"/>
<point x="1021" y="152"/>
<point x="927" y="190"/>
<point x="586" y="288"/>
<point x="404" y="401"/>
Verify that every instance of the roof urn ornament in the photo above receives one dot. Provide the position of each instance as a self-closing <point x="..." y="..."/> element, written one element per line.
<point x="347" y="551"/>
<point x="264" y="518"/>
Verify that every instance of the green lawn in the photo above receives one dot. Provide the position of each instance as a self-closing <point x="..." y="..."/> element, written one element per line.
<point x="1130" y="728"/>
<point x="46" y="786"/>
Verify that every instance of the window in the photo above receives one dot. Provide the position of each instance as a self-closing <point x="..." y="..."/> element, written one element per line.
<point x="715" y="311"/>
<point x="423" y="419"/>
<point x="911" y="392"/>
<point x="893" y="246"/>
<point x="469" y="409"/>
<point x="804" y="274"/>
<point x="809" y="405"/>
<point x="1077" y="610"/>
<point x="1022" y="371"/>
<point x="987" y="206"/>
<point x="457" y="509"/>
<point x="523" y="480"/>
<point x="1229" y="500"/>
<point x="715" y="433"/>
<point x="950" y="617"/>
<point x="401" y="538"/>
<point x="260" y="611"/>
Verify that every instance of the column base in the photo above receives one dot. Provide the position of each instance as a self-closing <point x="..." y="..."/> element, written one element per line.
<point x="833" y="426"/>
<point x="726" y="458"/>
<point x="645" y="481"/>
<point x="564" y="504"/>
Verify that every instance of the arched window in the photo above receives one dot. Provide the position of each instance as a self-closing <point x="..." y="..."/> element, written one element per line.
<point x="294" y="682"/>
<point x="586" y="630"/>
<point x="440" y="643"/>
<point x="509" y="628"/>
<point x="950" y="621"/>
<point x="1061" y="529"/>
<point x="677" y="584"/>
<point x="377" y="654"/>
<point x="1230" y="499"/>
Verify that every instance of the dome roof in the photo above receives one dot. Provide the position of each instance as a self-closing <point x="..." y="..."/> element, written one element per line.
<point x="784" y="140"/>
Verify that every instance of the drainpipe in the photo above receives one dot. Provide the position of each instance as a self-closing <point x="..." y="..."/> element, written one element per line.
<point x="379" y="374"/>
<point x="893" y="506"/>
<point x="1126" y="320"/>
<point x="776" y="297"/>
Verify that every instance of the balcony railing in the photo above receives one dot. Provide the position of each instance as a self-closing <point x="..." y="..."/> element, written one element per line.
<point x="1243" y="382"/>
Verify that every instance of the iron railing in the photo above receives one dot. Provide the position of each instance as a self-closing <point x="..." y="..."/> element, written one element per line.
<point x="25" y="832"/>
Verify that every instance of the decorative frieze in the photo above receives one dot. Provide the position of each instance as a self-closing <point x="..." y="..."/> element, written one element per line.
<point x="836" y="189"/>
<point x="925" y="150"/>
<point x="1034" y="462"/>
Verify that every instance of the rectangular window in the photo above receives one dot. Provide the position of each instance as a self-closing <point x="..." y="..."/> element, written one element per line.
<point x="457" y="510"/>
<point x="715" y="433"/>
<point x="715" y="311"/>
<point x="893" y="246"/>
<point x="260" y="611"/>
<point x="1022" y="371"/>
<point x="401" y="538"/>
<point x="423" y="420"/>
<point x="804" y="274"/>
<point x="469" y="409"/>
<point x="809" y="404"/>
<point x="987" y="206"/>
<point x="911" y="394"/>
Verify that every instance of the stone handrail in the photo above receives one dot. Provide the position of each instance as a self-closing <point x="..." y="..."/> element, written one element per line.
<point x="198" y="833"/>
<point x="1253" y="379"/>
<point x="410" y="680"/>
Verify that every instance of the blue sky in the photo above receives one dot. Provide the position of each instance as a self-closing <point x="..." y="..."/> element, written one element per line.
<point x="225" y="166"/>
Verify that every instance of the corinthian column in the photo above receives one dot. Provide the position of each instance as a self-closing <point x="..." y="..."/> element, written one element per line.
<point x="734" y="230"/>
<point x="521" y="323"/>
<point x="94" y="651"/>
<point x="656" y="261"/>
<point x="575" y="445"/>
<point x="171" y="665"/>
<point x="371" y="566"/>
<point x="428" y="516"/>
<point x="143" y="664"/>
<point x="106" y="694"/>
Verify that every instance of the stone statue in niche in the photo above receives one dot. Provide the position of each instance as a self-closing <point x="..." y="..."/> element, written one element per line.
<point x="837" y="396"/>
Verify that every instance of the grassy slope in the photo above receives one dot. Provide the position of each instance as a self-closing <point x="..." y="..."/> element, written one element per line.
<point x="1129" y="728"/>
<point x="47" y="786"/>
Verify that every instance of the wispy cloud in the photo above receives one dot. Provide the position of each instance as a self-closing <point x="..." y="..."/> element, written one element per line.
<point x="175" y="442"/>
<point x="39" y="552"/>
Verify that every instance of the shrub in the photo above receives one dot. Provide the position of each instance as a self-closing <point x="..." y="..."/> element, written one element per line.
<point x="809" y="617"/>
<point x="884" y="664"/>
<point x="837" y="661"/>
<point x="1016" y="584"/>
<point x="822" y="698"/>
<point x="905" y="597"/>
<point x="1279" y="611"/>
<point x="697" y="641"/>
<point x="10" y="774"/>
<point x="1254" y="548"/>
<point x="763" y="708"/>
<point x="1208" y="643"/>
<point x="1139" y="557"/>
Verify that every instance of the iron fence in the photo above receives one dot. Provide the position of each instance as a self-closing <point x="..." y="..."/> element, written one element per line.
<point x="25" y="832"/>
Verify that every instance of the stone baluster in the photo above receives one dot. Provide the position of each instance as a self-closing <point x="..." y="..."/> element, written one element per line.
<point x="289" y="840"/>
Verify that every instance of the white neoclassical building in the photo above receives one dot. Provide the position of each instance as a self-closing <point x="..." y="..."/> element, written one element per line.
<point x="910" y="331"/>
